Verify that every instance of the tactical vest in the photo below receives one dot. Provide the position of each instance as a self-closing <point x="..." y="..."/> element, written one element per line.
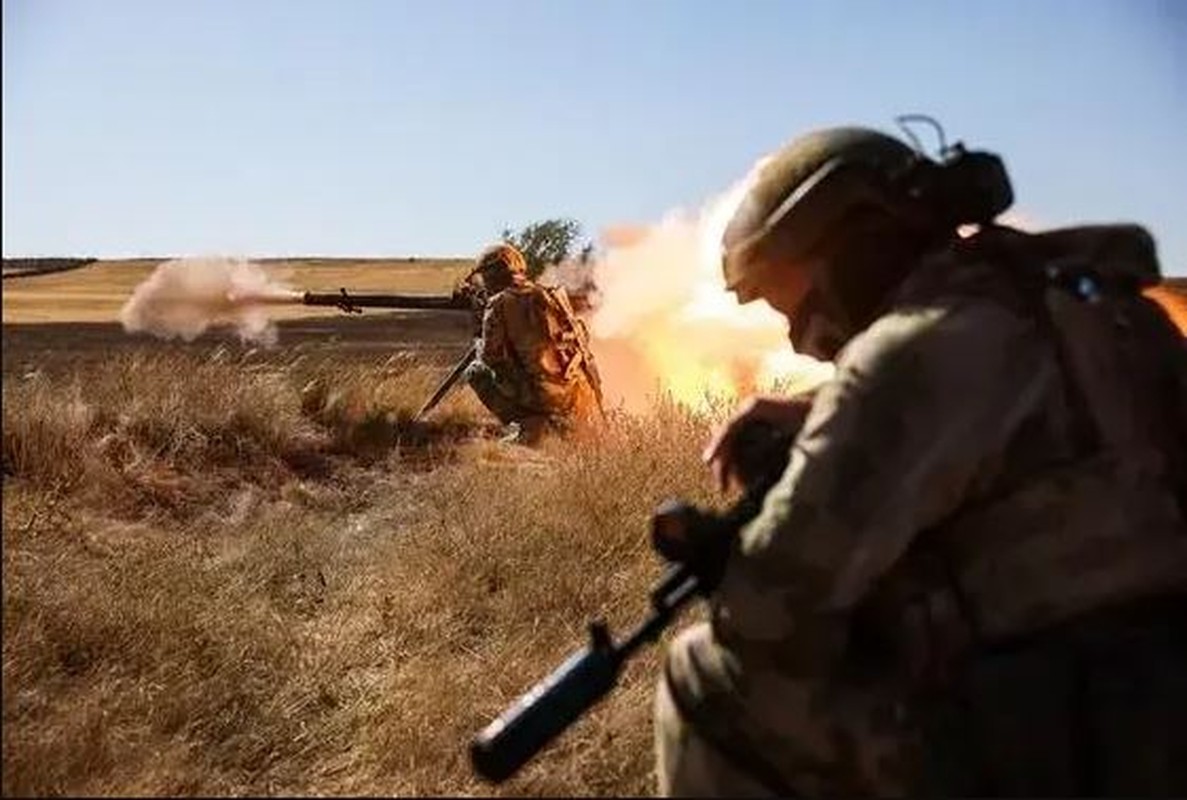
<point x="1088" y="509"/>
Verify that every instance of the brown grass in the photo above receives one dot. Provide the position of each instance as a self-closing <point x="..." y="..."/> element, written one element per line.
<point x="229" y="577"/>
<point x="154" y="430"/>
<point x="230" y="572"/>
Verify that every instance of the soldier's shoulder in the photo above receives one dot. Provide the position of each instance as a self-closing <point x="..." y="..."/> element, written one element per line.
<point x="542" y="288"/>
<point x="513" y="299"/>
<point x="1005" y="265"/>
<point x="497" y="303"/>
<point x="959" y="334"/>
<point x="507" y="295"/>
<point x="958" y="274"/>
<point x="531" y="293"/>
<point x="522" y="288"/>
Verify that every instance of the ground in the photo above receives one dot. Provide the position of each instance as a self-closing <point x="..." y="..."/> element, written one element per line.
<point x="241" y="570"/>
<point x="237" y="570"/>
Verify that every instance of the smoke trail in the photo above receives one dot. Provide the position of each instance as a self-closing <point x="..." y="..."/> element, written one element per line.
<point x="184" y="297"/>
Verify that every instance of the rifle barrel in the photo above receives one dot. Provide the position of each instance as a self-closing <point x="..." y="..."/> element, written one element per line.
<point x="546" y="710"/>
<point x="551" y="706"/>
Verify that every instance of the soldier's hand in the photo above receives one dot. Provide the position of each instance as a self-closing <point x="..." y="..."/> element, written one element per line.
<point x="725" y="452"/>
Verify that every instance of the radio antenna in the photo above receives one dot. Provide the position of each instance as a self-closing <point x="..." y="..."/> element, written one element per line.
<point x="904" y="121"/>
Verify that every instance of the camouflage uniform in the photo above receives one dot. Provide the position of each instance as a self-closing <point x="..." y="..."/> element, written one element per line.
<point x="534" y="366"/>
<point x="971" y="475"/>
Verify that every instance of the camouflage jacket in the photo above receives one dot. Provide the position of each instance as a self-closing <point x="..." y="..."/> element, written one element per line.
<point x="956" y="414"/>
<point x="537" y="349"/>
<point x="971" y="464"/>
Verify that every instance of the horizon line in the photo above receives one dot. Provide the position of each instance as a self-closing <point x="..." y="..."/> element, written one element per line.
<point x="142" y="257"/>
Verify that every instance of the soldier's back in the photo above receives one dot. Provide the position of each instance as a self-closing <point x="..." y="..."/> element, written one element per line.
<point x="1070" y="561"/>
<point x="547" y="353"/>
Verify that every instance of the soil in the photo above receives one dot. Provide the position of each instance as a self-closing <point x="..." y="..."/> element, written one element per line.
<point x="439" y="336"/>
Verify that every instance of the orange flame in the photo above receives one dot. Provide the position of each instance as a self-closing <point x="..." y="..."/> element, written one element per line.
<point x="1174" y="301"/>
<point x="666" y="326"/>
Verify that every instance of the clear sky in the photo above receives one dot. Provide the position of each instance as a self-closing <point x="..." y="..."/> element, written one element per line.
<point x="356" y="127"/>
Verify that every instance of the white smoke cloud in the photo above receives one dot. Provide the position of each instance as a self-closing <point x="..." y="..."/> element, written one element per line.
<point x="184" y="297"/>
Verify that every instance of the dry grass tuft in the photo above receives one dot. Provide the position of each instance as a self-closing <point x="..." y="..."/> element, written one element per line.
<point x="369" y="412"/>
<point x="147" y="433"/>
<point x="224" y="577"/>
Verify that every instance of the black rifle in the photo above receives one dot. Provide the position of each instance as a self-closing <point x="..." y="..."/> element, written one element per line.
<point x="698" y="543"/>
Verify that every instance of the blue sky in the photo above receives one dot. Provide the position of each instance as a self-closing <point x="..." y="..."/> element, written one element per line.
<point x="353" y="127"/>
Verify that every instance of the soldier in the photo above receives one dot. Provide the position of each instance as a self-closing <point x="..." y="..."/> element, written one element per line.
<point x="534" y="368"/>
<point x="970" y="578"/>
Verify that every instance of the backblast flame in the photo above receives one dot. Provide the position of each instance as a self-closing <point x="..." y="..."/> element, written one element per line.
<point x="666" y="326"/>
<point x="1173" y="302"/>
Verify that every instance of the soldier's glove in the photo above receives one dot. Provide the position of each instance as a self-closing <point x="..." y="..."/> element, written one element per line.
<point x="702" y="540"/>
<point x="739" y="452"/>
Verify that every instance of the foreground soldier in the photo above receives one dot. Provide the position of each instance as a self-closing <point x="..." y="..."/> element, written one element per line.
<point x="534" y="369"/>
<point x="970" y="579"/>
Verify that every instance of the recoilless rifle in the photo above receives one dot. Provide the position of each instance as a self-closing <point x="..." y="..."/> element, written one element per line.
<point x="355" y="303"/>
<point x="696" y="542"/>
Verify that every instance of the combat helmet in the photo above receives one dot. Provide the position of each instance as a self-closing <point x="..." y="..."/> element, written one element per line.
<point x="500" y="262"/>
<point x="802" y="199"/>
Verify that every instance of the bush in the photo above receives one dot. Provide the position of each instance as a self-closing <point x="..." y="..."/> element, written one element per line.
<point x="545" y="243"/>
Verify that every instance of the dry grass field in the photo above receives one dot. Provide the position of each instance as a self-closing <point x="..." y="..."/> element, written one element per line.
<point x="96" y="292"/>
<point x="243" y="571"/>
<point x="231" y="570"/>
